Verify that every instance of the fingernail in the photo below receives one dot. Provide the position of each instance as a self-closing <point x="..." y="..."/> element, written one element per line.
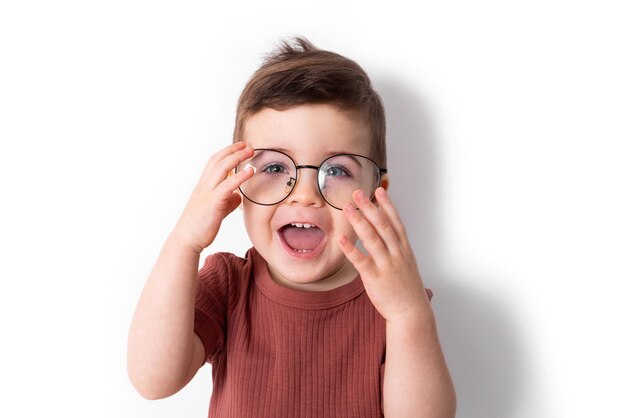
<point x="349" y="208"/>
<point x="250" y="166"/>
<point x="360" y="195"/>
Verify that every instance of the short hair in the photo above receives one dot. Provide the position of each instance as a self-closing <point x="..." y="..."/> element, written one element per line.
<point x="298" y="73"/>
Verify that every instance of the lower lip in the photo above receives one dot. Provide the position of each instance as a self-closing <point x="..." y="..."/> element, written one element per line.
<point x="303" y="255"/>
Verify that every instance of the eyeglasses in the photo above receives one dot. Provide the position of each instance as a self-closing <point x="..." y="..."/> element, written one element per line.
<point x="338" y="176"/>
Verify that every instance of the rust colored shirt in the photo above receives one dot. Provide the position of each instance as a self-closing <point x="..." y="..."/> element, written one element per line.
<point x="280" y="352"/>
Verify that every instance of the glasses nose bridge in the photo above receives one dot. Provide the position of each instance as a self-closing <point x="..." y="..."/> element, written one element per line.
<point x="299" y="178"/>
<point x="314" y="167"/>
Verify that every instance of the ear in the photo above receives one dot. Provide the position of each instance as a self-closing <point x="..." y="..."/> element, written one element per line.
<point x="384" y="182"/>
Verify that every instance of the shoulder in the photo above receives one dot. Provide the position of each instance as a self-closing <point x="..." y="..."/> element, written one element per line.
<point x="225" y="264"/>
<point x="228" y="273"/>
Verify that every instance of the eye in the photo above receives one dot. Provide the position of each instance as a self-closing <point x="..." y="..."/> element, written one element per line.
<point x="274" y="169"/>
<point x="336" y="171"/>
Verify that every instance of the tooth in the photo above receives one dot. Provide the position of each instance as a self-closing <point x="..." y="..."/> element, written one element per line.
<point x="305" y="225"/>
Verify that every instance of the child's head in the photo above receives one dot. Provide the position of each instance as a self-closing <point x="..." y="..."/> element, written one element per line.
<point x="298" y="73"/>
<point x="302" y="108"/>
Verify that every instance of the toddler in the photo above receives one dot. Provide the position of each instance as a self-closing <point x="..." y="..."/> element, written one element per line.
<point x="306" y="324"/>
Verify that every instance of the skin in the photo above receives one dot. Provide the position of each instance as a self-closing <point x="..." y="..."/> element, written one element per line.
<point x="416" y="381"/>
<point x="164" y="353"/>
<point x="321" y="130"/>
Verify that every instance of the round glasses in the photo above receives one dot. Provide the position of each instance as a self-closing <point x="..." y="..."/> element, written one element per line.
<point x="338" y="176"/>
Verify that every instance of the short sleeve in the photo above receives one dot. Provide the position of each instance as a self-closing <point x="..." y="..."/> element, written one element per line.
<point x="211" y="305"/>
<point x="382" y="385"/>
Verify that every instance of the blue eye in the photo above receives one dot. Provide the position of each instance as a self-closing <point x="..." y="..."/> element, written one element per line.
<point x="336" y="171"/>
<point x="274" y="169"/>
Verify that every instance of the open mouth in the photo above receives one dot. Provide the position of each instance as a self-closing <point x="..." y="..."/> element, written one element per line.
<point x="302" y="239"/>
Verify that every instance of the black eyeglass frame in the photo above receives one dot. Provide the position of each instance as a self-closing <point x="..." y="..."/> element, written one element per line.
<point x="381" y="171"/>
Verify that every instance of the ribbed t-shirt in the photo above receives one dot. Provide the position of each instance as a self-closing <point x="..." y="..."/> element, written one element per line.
<point x="281" y="352"/>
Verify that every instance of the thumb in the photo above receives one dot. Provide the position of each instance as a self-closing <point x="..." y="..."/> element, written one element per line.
<point x="233" y="202"/>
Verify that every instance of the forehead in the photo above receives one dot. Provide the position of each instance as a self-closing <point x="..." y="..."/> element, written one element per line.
<point x="308" y="132"/>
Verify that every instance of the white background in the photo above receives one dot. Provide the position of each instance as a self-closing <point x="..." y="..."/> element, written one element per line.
<point x="507" y="147"/>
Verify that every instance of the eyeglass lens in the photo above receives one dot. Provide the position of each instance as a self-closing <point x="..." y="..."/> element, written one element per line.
<point x="338" y="177"/>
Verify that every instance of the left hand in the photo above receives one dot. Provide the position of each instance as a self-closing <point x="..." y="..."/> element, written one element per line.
<point x="389" y="273"/>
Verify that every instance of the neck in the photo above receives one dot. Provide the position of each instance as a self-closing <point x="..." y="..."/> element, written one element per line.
<point x="342" y="276"/>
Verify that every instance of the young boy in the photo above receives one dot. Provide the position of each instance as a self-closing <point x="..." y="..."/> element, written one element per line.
<point x="306" y="325"/>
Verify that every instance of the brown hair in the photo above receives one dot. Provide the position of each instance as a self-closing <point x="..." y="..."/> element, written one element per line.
<point x="298" y="73"/>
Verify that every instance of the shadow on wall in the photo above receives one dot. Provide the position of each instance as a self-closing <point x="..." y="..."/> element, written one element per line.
<point x="478" y="334"/>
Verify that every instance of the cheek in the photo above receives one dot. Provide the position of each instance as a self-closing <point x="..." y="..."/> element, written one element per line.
<point x="256" y="218"/>
<point x="344" y="225"/>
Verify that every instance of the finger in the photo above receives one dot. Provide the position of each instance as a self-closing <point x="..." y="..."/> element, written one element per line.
<point x="224" y="152"/>
<point x="382" y="197"/>
<point x="379" y="220"/>
<point x="231" y="161"/>
<point x="233" y="202"/>
<point x="372" y="242"/>
<point x="233" y="182"/>
<point x="209" y="168"/>
<point x="227" y="164"/>
<point x="360" y="261"/>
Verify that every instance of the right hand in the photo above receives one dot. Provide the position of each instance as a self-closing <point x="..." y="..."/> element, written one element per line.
<point x="214" y="197"/>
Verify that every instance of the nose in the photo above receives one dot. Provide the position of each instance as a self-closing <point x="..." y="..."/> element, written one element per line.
<point x="305" y="191"/>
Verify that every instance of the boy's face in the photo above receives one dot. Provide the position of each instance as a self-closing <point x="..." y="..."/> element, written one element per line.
<point x="308" y="134"/>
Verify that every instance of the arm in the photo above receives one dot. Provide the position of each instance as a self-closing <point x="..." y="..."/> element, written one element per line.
<point x="416" y="381"/>
<point x="164" y="353"/>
